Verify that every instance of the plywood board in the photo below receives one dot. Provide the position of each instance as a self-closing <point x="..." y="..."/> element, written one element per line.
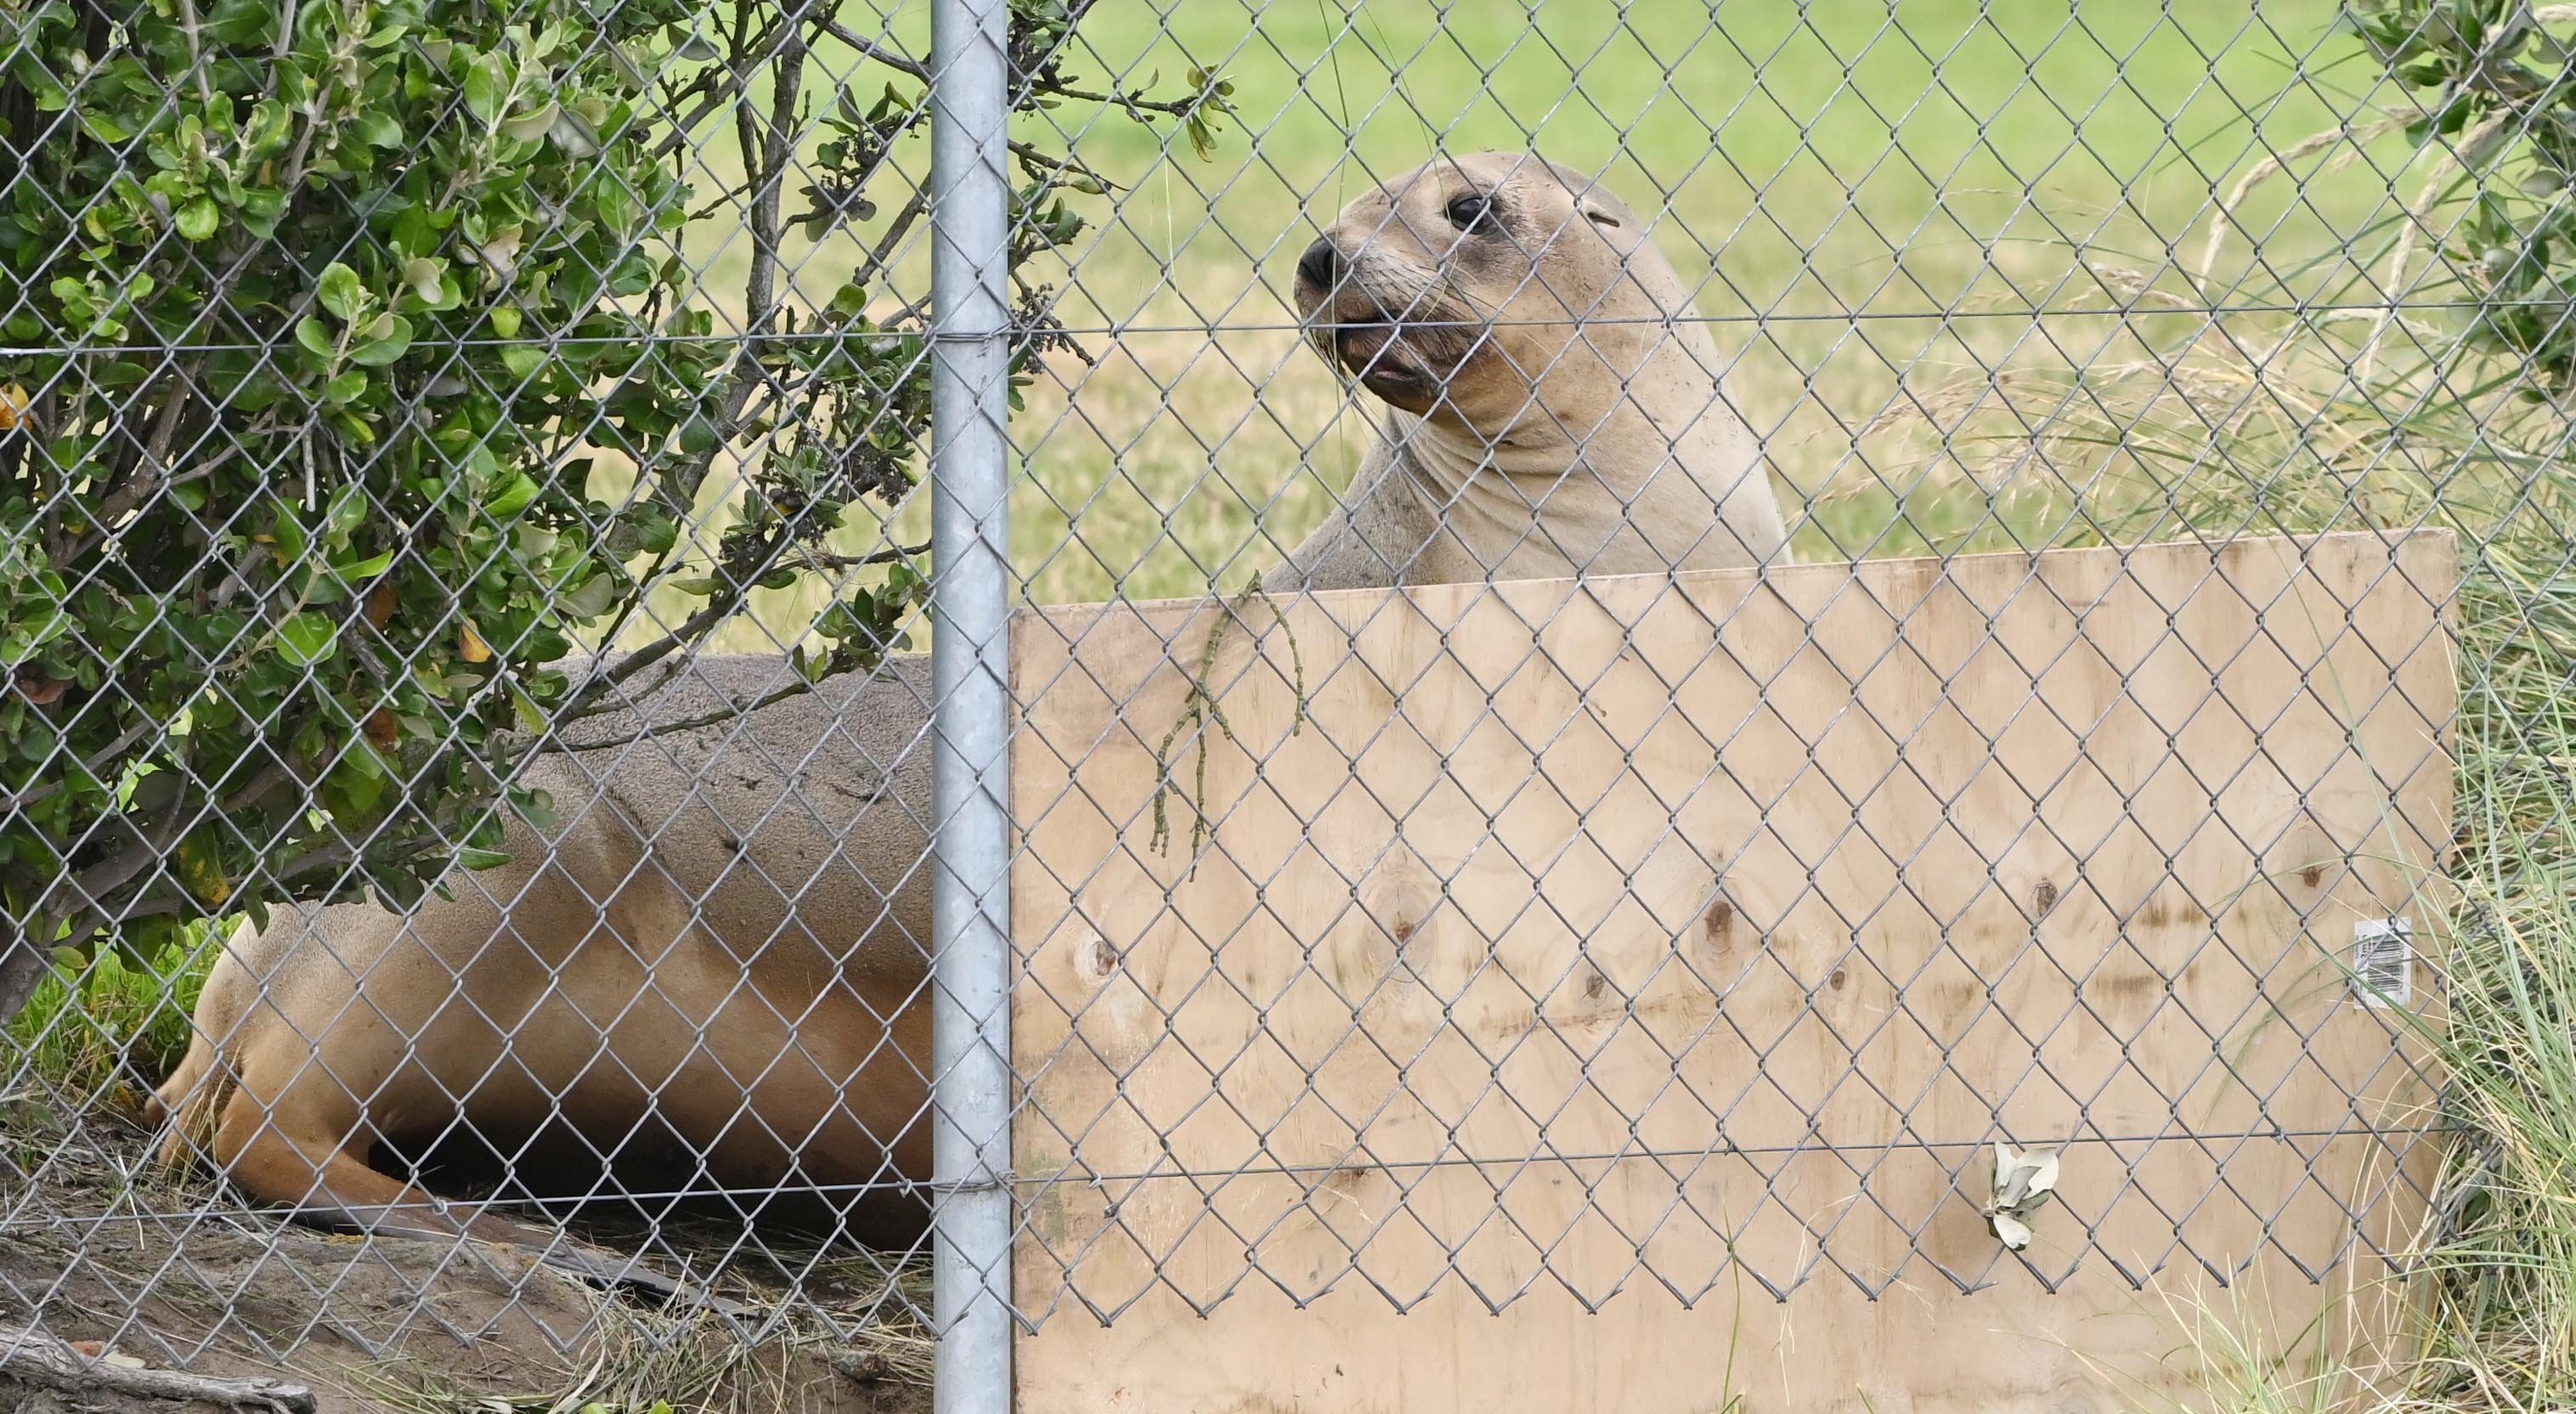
<point x="1601" y="996"/>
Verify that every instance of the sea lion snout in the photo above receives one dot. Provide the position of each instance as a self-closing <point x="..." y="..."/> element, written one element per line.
<point x="1381" y="310"/>
<point x="1354" y="331"/>
<point x="1318" y="270"/>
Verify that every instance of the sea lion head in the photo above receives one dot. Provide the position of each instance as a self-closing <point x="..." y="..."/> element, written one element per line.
<point x="1486" y="289"/>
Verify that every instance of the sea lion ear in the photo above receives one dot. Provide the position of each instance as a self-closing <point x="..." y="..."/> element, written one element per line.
<point x="1596" y="213"/>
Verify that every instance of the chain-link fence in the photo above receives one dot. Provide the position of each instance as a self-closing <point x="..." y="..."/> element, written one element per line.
<point x="1255" y="706"/>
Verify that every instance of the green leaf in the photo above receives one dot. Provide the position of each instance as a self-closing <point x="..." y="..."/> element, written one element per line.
<point x="421" y="276"/>
<point x="362" y="759"/>
<point x="486" y="90"/>
<point x="307" y="638"/>
<point x="530" y="127"/>
<point x="198" y="219"/>
<point x="386" y="340"/>
<point x="271" y="127"/>
<point x="537" y="806"/>
<point x="347" y="388"/>
<point x="346" y="511"/>
<point x="241" y="22"/>
<point x="481" y="858"/>
<point x="261" y="210"/>
<point x="357" y="782"/>
<point x="287" y="532"/>
<point x="698" y="435"/>
<point x="514" y="498"/>
<point x="314" y="335"/>
<point x="522" y="360"/>
<point x="656" y="532"/>
<point x="358" y="571"/>
<point x="524" y="708"/>
<point x="589" y="599"/>
<point x="377" y="128"/>
<point x="340" y="291"/>
<point x="23" y="641"/>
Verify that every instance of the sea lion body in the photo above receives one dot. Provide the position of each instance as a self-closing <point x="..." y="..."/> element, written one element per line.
<point x="718" y="953"/>
<point x="710" y="965"/>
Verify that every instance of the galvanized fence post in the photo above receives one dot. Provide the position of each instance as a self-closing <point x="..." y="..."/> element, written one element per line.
<point x="970" y="609"/>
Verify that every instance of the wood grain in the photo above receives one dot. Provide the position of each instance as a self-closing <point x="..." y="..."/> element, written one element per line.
<point x="1602" y="995"/>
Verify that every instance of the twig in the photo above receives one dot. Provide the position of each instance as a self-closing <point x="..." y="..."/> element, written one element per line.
<point x="874" y="557"/>
<point x="1201" y="710"/>
<point x="1048" y="166"/>
<point x="1135" y="105"/>
<point x="870" y="49"/>
<point x="585" y="700"/>
<point x="726" y="713"/>
<point x="677" y="489"/>
<point x="91" y="762"/>
<point x="32" y="1356"/>
<point x="754" y="53"/>
<point x="884" y="250"/>
<point x="691" y="629"/>
<point x="196" y="52"/>
<point x="635" y="601"/>
<point x="90" y="885"/>
<point x="149" y="474"/>
<point x="270" y="777"/>
<point x="98" y="535"/>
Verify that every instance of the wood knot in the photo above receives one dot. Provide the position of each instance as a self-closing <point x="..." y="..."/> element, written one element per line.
<point x="1721" y="918"/>
<point x="1095" y="959"/>
<point x="1403" y="929"/>
<point x="2045" y="896"/>
<point x="1592" y="985"/>
<point x="2313" y="875"/>
<point x="1836" y="981"/>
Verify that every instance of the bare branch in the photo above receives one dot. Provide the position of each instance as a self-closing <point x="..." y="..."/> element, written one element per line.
<point x="91" y="762"/>
<point x="798" y="688"/>
<point x="899" y="553"/>
<point x="870" y="49"/>
<point x="36" y="1358"/>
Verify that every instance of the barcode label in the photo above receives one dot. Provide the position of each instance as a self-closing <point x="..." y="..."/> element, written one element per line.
<point x="2383" y="963"/>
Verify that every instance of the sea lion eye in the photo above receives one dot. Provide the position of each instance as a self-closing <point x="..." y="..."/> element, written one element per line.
<point x="1471" y="210"/>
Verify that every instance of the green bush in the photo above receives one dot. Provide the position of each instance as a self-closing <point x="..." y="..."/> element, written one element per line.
<point x="2497" y="94"/>
<point x="335" y="306"/>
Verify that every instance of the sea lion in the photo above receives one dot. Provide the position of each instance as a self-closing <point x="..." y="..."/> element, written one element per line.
<point x="1554" y="406"/>
<point x="712" y="965"/>
<point x="719" y="951"/>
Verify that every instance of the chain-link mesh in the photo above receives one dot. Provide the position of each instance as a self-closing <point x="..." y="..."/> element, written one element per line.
<point x="1621" y="822"/>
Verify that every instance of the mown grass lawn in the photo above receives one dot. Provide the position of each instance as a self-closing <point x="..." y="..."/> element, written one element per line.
<point x="1876" y="199"/>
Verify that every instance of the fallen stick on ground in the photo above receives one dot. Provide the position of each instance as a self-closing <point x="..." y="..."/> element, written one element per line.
<point x="37" y="1358"/>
